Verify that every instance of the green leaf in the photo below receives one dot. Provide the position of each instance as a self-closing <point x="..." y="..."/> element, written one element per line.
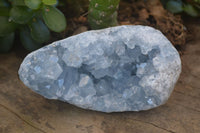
<point x="39" y="32"/>
<point x="102" y="13"/>
<point x="54" y="19"/>
<point x="174" y="6"/>
<point x="21" y="14"/>
<point x="33" y="4"/>
<point x="190" y="10"/>
<point x="27" y="41"/>
<point x="6" y="27"/>
<point x="96" y="14"/>
<point x="6" y="42"/>
<point x="49" y="2"/>
<point x="104" y="5"/>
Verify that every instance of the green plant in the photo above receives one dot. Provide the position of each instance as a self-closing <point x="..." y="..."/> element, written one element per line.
<point x="103" y="13"/>
<point x="32" y="19"/>
<point x="191" y="7"/>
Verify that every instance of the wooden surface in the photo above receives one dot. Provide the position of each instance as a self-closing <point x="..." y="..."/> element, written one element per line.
<point x="23" y="111"/>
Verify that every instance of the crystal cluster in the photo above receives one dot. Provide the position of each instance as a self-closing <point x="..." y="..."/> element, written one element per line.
<point x="124" y="68"/>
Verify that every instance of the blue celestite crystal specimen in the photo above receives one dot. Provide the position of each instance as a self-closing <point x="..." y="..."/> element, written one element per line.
<point x="124" y="68"/>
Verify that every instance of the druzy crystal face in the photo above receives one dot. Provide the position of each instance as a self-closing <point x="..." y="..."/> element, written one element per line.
<point x="124" y="68"/>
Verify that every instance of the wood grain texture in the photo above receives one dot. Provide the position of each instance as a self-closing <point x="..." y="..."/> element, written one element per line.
<point x="23" y="111"/>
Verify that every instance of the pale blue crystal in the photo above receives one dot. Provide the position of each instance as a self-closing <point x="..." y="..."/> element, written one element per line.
<point x="124" y="68"/>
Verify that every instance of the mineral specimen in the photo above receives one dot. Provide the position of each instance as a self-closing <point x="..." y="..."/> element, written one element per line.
<point x="124" y="68"/>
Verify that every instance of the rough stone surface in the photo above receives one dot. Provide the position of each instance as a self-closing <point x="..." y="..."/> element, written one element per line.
<point x="124" y="68"/>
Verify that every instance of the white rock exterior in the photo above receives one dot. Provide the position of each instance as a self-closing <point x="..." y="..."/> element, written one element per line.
<point x="123" y="68"/>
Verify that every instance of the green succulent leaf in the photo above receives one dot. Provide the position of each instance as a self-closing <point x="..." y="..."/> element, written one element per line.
<point x="6" y="42"/>
<point x="27" y="41"/>
<point x="33" y="4"/>
<point x="190" y="10"/>
<point x="54" y="19"/>
<point x="174" y="6"/>
<point x="6" y="27"/>
<point x="39" y="31"/>
<point x="98" y="22"/>
<point x="104" y="5"/>
<point x="102" y="13"/>
<point x="21" y="14"/>
<point x="49" y="2"/>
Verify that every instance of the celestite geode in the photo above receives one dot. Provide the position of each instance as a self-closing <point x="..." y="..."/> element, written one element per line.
<point x="124" y="68"/>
